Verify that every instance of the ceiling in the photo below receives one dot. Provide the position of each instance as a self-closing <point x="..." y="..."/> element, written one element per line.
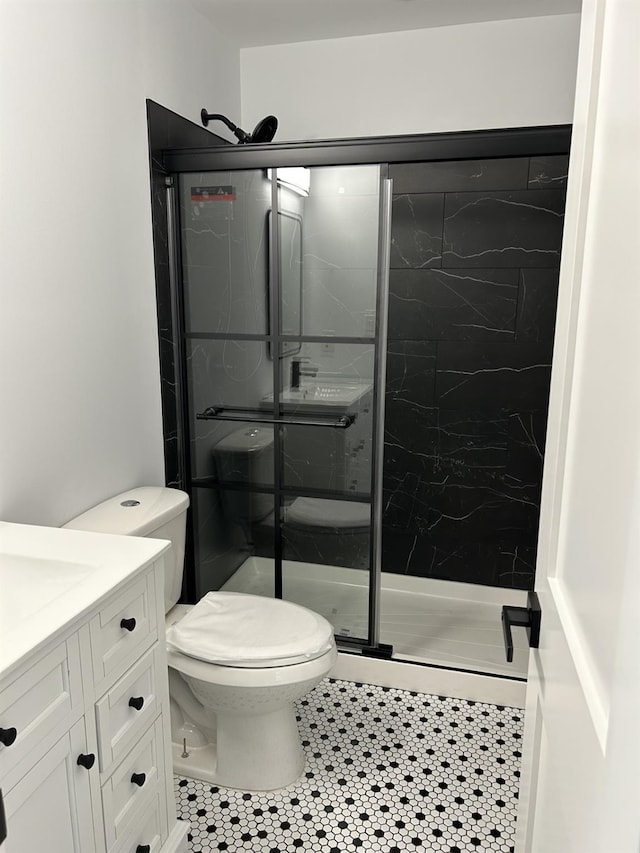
<point x="250" y="23"/>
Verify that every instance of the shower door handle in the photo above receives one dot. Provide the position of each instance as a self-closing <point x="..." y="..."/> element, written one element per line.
<point x="522" y="617"/>
<point x="218" y="413"/>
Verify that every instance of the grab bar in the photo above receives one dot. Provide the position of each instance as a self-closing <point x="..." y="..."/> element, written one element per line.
<point x="219" y="413"/>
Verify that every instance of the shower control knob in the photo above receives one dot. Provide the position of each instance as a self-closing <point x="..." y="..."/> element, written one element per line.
<point x="136" y="702"/>
<point x="128" y="624"/>
<point x="86" y="760"/>
<point x="7" y="736"/>
<point x="138" y="779"/>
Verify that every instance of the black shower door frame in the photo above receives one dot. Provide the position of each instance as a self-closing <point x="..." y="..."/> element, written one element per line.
<point x="380" y="151"/>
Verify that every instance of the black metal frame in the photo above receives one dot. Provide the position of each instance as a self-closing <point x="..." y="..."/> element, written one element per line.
<point x="467" y="145"/>
<point x="485" y="144"/>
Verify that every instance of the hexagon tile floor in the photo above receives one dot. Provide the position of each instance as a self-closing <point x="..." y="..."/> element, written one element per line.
<point x="387" y="771"/>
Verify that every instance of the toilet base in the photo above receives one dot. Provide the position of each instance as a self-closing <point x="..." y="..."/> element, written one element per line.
<point x="254" y="752"/>
<point x="201" y="763"/>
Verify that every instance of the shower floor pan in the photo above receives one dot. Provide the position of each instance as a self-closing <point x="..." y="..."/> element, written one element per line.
<point x="426" y="621"/>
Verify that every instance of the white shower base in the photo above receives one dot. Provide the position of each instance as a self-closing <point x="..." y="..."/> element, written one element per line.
<point x="441" y="623"/>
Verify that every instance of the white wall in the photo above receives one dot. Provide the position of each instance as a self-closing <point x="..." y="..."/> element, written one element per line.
<point x="79" y="374"/>
<point x="497" y="74"/>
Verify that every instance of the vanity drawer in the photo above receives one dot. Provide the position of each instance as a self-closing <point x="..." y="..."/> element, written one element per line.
<point x="121" y="632"/>
<point x="127" y="792"/>
<point x="39" y="706"/>
<point x="128" y="709"/>
<point x="146" y="834"/>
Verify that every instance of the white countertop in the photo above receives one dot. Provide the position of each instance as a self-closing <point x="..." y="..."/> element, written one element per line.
<point x="50" y="577"/>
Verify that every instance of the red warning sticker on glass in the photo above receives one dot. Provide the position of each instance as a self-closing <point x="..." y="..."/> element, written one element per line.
<point x="209" y="194"/>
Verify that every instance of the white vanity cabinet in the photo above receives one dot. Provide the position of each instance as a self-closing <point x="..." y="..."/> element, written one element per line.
<point x="85" y="764"/>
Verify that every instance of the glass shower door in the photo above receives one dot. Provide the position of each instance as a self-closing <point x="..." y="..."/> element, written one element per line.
<point x="282" y="364"/>
<point x="229" y="371"/>
<point x="327" y="305"/>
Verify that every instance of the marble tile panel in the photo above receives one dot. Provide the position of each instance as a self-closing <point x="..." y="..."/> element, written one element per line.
<point x="452" y="304"/>
<point x="412" y="554"/>
<point x="537" y="305"/>
<point x="410" y="373"/>
<point x="497" y="563"/>
<point x="416" y="231"/>
<point x="503" y="229"/>
<point x="407" y="497"/>
<point x="501" y="508"/>
<point x="460" y="175"/>
<point x="526" y="442"/>
<point x="547" y="172"/>
<point x="472" y="443"/>
<point x="516" y="566"/>
<point x="492" y="375"/>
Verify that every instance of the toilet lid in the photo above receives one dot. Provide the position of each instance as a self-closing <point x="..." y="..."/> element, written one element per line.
<point x="237" y="629"/>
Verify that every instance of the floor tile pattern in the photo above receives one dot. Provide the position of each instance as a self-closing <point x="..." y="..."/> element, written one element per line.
<point x="387" y="771"/>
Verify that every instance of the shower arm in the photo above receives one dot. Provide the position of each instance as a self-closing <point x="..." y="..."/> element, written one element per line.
<point x="239" y="133"/>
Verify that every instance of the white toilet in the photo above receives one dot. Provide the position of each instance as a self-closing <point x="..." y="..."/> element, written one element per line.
<point x="237" y="662"/>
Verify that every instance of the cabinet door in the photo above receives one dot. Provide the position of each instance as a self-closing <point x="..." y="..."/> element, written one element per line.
<point x="50" y="808"/>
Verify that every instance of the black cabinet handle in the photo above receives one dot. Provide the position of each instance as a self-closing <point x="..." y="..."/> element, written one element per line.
<point x="143" y="848"/>
<point x="136" y="702"/>
<point x="128" y="624"/>
<point x="522" y="617"/>
<point x="8" y="736"/>
<point x="86" y="760"/>
<point x="138" y="779"/>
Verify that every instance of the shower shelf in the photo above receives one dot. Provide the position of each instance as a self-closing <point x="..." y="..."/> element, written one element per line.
<point x="218" y="413"/>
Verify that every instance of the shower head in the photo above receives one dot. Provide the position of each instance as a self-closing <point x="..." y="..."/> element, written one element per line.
<point x="264" y="131"/>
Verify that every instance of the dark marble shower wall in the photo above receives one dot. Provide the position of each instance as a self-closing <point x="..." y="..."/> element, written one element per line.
<point x="473" y="290"/>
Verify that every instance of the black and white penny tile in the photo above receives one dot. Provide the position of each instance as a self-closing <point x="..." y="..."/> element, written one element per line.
<point x="387" y="771"/>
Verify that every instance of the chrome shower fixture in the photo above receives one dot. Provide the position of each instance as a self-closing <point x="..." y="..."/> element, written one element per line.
<point x="264" y="131"/>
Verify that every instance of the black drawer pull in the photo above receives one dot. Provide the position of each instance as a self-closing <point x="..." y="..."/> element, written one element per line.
<point x="136" y="702"/>
<point x="86" y="760"/>
<point x="143" y="848"/>
<point x="8" y="736"/>
<point x="138" y="779"/>
<point x="128" y="624"/>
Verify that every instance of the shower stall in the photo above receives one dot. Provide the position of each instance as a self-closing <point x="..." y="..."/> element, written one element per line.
<point x="357" y="348"/>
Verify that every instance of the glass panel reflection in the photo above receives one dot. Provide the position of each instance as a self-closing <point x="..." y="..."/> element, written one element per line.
<point x="233" y="541"/>
<point x="229" y="376"/>
<point x="225" y="251"/>
<point x="339" y="250"/>
<point x="328" y="385"/>
<point x="326" y="551"/>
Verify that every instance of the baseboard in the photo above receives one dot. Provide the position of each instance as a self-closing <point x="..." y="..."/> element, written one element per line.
<point x="430" y="679"/>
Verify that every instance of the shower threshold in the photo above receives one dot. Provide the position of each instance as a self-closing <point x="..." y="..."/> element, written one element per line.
<point x="427" y="621"/>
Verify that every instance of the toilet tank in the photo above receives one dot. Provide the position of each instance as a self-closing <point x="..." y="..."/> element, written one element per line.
<point x="246" y="456"/>
<point x="155" y="512"/>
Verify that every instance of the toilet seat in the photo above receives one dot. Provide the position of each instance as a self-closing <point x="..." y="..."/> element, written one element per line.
<point x="250" y="631"/>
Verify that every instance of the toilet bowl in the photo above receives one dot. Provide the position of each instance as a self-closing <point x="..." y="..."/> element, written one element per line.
<point x="237" y="662"/>
<point x="331" y="532"/>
